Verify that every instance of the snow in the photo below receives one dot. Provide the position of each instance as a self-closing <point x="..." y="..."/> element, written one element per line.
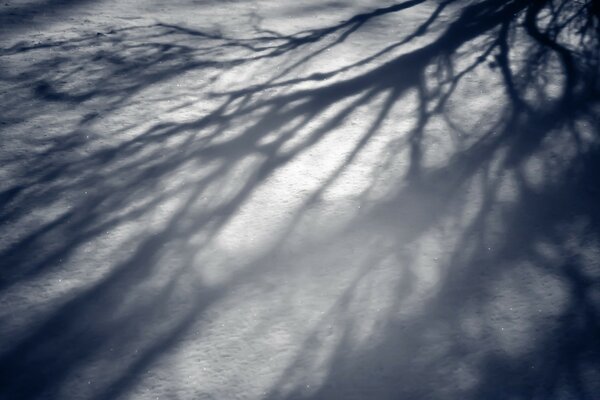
<point x="200" y="200"/>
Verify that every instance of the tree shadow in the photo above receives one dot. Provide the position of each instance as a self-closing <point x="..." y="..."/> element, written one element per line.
<point x="513" y="235"/>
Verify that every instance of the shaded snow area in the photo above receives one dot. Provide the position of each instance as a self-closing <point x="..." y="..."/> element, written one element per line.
<point x="309" y="199"/>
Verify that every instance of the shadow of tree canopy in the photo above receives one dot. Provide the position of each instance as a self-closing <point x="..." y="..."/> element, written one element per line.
<point x="475" y="216"/>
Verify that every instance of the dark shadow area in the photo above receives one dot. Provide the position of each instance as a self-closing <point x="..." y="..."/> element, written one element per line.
<point x="24" y="15"/>
<point x="519" y="190"/>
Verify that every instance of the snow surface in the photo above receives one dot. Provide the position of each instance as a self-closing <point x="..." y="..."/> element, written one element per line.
<point x="222" y="200"/>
